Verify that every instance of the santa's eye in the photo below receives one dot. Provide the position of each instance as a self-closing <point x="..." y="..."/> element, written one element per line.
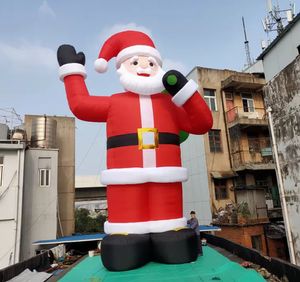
<point x="135" y="63"/>
<point x="151" y="64"/>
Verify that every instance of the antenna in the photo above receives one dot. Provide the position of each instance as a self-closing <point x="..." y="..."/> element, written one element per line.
<point x="246" y="42"/>
<point x="277" y="18"/>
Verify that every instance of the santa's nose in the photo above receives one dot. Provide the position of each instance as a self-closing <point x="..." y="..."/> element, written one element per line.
<point x="143" y="64"/>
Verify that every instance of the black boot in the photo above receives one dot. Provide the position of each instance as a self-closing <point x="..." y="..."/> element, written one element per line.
<point x="174" y="247"/>
<point x="125" y="252"/>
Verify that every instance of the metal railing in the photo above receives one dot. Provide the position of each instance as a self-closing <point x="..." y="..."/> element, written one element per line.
<point x="250" y="113"/>
<point x="257" y="151"/>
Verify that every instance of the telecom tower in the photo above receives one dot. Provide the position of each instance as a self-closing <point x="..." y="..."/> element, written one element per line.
<point x="276" y="19"/>
<point x="247" y="49"/>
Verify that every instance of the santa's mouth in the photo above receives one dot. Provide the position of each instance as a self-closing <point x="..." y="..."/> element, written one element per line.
<point x="143" y="74"/>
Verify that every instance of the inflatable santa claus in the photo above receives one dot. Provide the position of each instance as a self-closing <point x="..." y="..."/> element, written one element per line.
<point x="144" y="173"/>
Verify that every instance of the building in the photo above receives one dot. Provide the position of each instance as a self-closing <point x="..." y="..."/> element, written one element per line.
<point x="90" y="194"/>
<point x="240" y="169"/>
<point x="195" y="190"/>
<point x="35" y="178"/>
<point x="281" y="63"/>
<point x="282" y="51"/>
<point x="12" y="155"/>
<point x="39" y="211"/>
<point x="65" y="143"/>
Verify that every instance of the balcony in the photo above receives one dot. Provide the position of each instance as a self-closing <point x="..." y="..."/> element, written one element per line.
<point x="240" y="82"/>
<point x="246" y="117"/>
<point x="256" y="155"/>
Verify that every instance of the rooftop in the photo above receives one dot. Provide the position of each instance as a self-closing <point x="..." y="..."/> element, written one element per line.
<point x="279" y="37"/>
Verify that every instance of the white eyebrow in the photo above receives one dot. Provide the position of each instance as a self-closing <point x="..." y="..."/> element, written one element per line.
<point x="152" y="60"/>
<point x="134" y="58"/>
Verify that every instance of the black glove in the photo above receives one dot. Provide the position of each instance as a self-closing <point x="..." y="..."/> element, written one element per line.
<point x="174" y="81"/>
<point x="66" y="54"/>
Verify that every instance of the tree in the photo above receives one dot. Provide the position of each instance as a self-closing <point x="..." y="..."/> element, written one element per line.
<point x="85" y="224"/>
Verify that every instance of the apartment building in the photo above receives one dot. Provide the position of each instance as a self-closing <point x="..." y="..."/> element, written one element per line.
<point x="240" y="168"/>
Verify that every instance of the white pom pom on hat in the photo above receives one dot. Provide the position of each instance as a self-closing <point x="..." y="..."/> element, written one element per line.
<point x="101" y="65"/>
<point x="124" y="45"/>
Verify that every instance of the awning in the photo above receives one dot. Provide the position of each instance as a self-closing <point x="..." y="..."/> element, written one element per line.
<point x="223" y="174"/>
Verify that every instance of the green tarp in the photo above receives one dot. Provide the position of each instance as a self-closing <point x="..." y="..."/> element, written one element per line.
<point x="212" y="266"/>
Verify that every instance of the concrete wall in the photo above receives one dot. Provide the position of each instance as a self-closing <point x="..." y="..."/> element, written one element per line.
<point x="39" y="203"/>
<point x="283" y="53"/>
<point x="11" y="202"/>
<point x="282" y="94"/>
<point x="195" y="190"/>
<point x="65" y="141"/>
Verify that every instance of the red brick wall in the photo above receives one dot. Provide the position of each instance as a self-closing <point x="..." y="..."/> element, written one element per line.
<point x="242" y="235"/>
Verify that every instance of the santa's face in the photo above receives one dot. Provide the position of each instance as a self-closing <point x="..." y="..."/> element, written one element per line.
<point x="142" y="66"/>
<point x="141" y="75"/>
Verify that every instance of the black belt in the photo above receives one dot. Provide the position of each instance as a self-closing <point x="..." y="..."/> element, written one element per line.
<point x="132" y="139"/>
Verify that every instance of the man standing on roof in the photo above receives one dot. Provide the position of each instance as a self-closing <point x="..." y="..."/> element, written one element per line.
<point x="144" y="173"/>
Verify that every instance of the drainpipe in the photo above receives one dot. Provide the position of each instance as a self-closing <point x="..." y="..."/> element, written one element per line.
<point x="19" y="201"/>
<point x="281" y="190"/>
<point x="16" y="251"/>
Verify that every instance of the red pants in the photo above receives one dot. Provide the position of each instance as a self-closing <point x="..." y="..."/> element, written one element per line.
<point x="144" y="202"/>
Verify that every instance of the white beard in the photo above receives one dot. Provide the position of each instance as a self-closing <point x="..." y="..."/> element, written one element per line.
<point x="143" y="85"/>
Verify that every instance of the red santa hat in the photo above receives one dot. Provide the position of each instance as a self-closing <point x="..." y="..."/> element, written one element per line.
<point x="124" y="45"/>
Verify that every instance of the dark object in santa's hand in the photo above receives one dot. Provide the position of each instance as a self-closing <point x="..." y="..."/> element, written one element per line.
<point x="174" y="81"/>
<point x="66" y="54"/>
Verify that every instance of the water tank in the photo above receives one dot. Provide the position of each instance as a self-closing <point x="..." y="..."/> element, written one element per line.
<point x="3" y="131"/>
<point x="43" y="132"/>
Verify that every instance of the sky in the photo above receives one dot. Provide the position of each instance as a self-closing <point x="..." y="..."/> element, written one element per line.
<point x="187" y="33"/>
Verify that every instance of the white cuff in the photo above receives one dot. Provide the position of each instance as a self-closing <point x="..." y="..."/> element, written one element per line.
<point x="69" y="69"/>
<point x="139" y="175"/>
<point x="185" y="93"/>
<point x="144" y="227"/>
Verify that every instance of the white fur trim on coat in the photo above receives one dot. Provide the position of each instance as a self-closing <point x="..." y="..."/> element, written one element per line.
<point x="138" y="175"/>
<point x="185" y="93"/>
<point x="137" y="50"/>
<point x="72" y="68"/>
<point x="144" y="227"/>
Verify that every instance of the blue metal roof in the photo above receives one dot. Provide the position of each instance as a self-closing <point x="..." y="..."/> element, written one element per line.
<point x="72" y="239"/>
<point x="100" y="236"/>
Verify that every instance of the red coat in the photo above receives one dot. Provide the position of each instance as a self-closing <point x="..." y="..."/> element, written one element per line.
<point x="124" y="114"/>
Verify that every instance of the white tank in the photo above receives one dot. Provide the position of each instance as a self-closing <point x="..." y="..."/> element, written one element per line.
<point x="43" y="132"/>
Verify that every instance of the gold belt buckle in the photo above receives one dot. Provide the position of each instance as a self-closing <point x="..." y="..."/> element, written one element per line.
<point x="147" y="133"/>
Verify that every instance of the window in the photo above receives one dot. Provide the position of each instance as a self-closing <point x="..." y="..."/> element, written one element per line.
<point x="44" y="177"/>
<point x="248" y="103"/>
<point x="210" y="99"/>
<point x="256" y="242"/>
<point x="220" y="189"/>
<point x="1" y="170"/>
<point x="214" y="136"/>
<point x="44" y="166"/>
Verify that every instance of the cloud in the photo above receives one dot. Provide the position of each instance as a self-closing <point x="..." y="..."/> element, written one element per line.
<point x="169" y="64"/>
<point x="108" y="31"/>
<point x="27" y="55"/>
<point x="46" y="10"/>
